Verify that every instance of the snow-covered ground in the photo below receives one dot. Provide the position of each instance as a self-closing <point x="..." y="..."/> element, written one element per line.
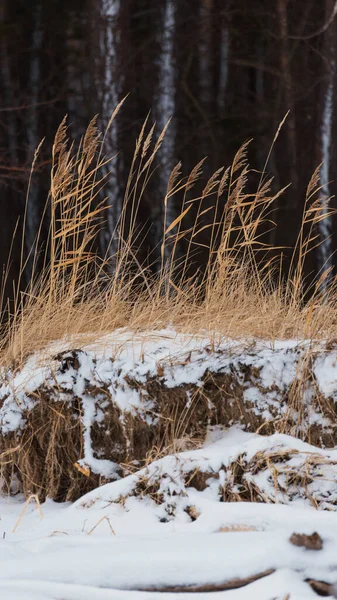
<point x="115" y="542"/>
<point x="170" y="525"/>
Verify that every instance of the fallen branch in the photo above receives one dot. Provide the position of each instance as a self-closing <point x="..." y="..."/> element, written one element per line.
<point x="212" y="587"/>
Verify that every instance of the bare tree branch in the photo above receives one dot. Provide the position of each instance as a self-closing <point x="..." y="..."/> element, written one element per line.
<point x="320" y="30"/>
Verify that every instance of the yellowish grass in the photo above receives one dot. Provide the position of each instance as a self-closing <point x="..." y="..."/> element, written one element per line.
<point x="99" y="522"/>
<point x="37" y="501"/>
<point x="241" y="292"/>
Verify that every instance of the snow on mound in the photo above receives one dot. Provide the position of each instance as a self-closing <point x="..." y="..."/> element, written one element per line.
<point x="236" y="467"/>
<point x="71" y="419"/>
<point x="166" y="530"/>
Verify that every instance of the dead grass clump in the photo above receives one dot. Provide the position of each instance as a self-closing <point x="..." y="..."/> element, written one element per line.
<point x="145" y="488"/>
<point x="240" y="293"/>
<point x="200" y="479"/>
<point x="285" y="474"/>
<point x="47" y="450"/>
<point x="277" y="475"/>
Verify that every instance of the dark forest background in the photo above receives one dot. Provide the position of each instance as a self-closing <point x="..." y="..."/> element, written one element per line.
<point x="225" y="70"/>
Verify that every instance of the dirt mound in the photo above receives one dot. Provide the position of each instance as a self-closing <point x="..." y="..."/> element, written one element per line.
<point x="75" y="420"/>
<point x="274" y="469"/>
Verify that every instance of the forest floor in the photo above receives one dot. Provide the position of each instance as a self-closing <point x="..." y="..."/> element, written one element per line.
<point x="220" y="509"/>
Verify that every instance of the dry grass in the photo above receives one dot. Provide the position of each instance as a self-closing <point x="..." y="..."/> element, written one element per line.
<point x="275" y="475"/>
<point x="31" y="497"/>
<point x="240" y="293"/>
<point x="238" y="527"/>
<point x="101" y="521"/>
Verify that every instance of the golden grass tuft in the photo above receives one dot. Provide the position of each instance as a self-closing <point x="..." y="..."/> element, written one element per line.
<point x="241" y="292"/>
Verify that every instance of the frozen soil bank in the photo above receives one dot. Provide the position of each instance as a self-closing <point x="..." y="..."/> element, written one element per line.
<point x="73" y="418"/>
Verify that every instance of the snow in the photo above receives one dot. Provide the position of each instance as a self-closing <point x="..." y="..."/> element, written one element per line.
<point x="178" y="358"/>
<point x="102" y="547"/>
<point x="155" y="527"/>
<point x="325" y="371"/>
<point x="260" y="590"/>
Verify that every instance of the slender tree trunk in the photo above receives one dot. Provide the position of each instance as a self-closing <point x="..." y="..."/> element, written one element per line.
<point x="326" y="136"/>
<point x="105" y="55"/>
<point x="285" y="65"/>
<point x="205" y="76"/>
<point x="223" y="66"/>
<point x="33" y="212"/>
<point x="166" y="108"/>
